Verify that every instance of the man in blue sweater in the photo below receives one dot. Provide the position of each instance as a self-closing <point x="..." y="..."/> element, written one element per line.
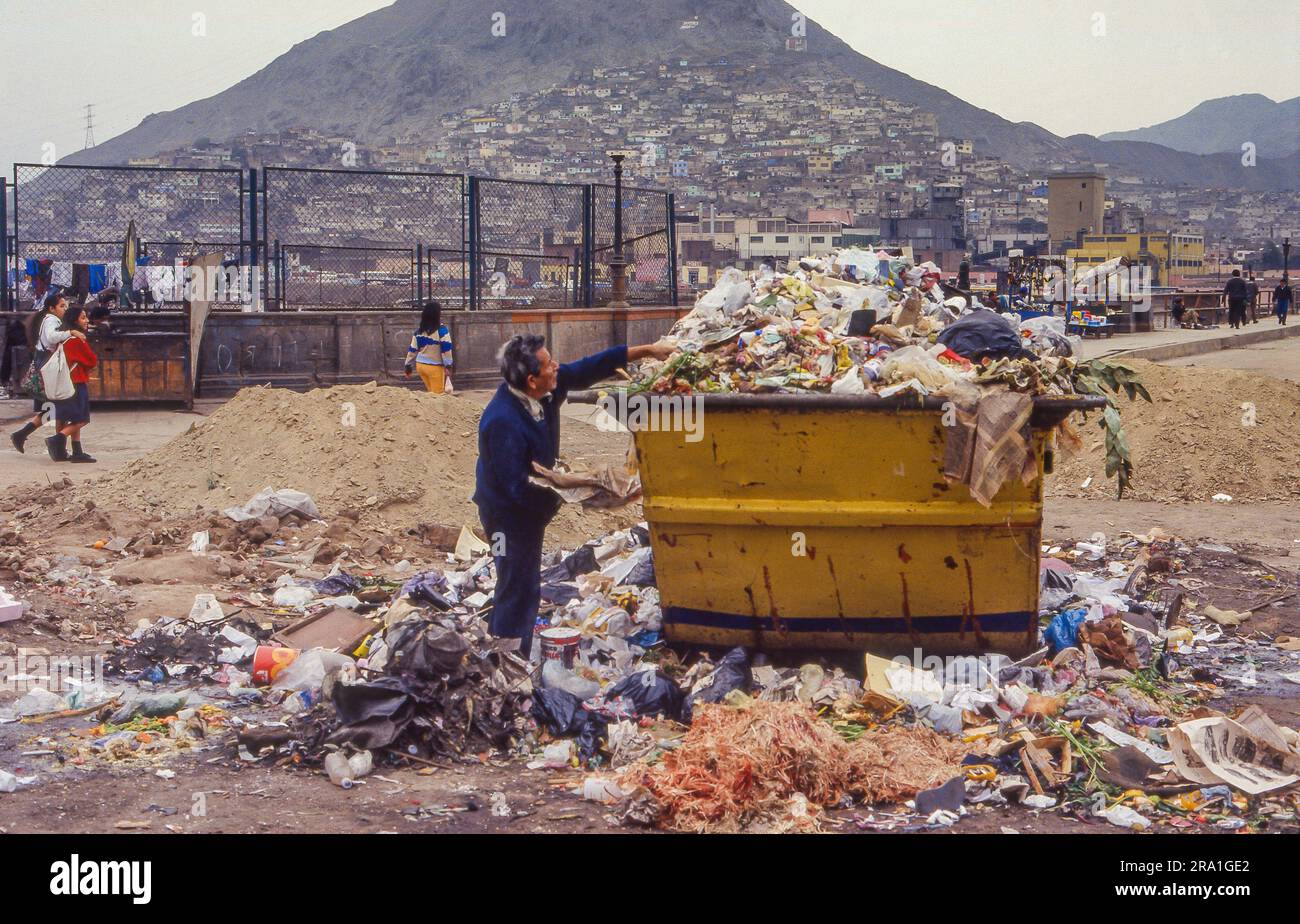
<point x="520" y="426"/>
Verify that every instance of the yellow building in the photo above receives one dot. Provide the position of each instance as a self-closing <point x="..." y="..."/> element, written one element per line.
<point x="1170" y="254"/>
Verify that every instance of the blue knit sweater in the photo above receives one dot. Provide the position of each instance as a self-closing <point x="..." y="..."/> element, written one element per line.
<point x="510" y="440"/>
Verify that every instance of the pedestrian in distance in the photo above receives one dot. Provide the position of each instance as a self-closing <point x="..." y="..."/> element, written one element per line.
<point x="1252" y="296"/>
<point x="1283" y="296"/>
<point x="1235" y="295"/>
<point x="430" y="352"/>
<point x="46" y="333"/>
<point x="72" y="414"/>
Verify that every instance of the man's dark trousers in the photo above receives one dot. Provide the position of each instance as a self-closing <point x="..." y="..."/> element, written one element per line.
<point x="517" y="551"/>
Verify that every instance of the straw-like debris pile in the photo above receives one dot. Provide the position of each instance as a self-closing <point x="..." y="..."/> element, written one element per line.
<point x="758" y="763"/>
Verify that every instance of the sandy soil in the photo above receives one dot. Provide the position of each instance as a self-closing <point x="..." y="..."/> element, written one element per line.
<point x="1279" y="359"/>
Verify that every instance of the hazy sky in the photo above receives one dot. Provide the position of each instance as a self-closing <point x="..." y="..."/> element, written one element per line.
<point x="1053" y="62"/>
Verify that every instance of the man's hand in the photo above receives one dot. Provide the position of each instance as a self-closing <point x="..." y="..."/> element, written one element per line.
<point x="660" y="350"/>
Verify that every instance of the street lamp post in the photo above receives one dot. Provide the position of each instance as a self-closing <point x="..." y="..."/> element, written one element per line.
<point x="617" y="265"/>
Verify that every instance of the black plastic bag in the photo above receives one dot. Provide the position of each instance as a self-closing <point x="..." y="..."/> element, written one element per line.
<point x="337" y="585"/>
<point x="650" y="692"/>
<point x="581" y="561"/>
<point x="559" y="592"/>
<point x="374" y="714"/>
<point x="731" y="673"/>
<point x="983" y="333"/>
<point x="561" y="713"/>
<point x="642" y="573"/>
<point x="425" y="649"/>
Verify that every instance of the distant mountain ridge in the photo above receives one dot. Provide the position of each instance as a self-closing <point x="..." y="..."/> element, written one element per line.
<point x="399" y="69"/>
<point x="1223" y="125"/>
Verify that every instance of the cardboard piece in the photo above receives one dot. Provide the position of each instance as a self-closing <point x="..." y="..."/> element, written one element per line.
<point x="338" y="629"/>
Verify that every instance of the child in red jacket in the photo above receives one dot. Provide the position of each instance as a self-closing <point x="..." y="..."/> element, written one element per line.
<point x="74" y="413"/>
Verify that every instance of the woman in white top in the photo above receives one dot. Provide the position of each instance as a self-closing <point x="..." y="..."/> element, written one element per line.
<point x="45" y="334"/>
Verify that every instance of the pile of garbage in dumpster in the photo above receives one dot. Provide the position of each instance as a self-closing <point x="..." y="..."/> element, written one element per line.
<point x="355" y="672"/>
<point x="859" y="322"/>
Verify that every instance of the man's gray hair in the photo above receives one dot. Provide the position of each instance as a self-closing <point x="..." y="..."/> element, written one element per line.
<point x="518" y="359"/>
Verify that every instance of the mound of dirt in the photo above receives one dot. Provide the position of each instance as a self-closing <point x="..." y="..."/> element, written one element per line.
<point x="408" y="456"/>
<point x="1206" y="432"/>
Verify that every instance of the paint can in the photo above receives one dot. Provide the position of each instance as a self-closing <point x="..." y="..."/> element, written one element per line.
<point x="561" y="644"/>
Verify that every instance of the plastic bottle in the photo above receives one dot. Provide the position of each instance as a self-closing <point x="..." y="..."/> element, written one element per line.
<point x="339" y="770"/>
<point x="344" y="771"/>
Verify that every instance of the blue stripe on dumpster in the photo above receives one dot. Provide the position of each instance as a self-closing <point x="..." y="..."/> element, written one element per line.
<point x="988" y="622"/>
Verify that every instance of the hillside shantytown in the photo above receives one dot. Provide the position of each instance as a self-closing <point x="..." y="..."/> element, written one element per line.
<point x="658" y="418"/>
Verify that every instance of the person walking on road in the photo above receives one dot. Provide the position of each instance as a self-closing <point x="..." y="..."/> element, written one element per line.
<point x="1252" y="296"/>
<point x="520" y="426"/>
<point x="45" y="333"/>
<point x="1234" y="293"/>
<point x="1282" y="298"/>
<point x="72" y="414"/>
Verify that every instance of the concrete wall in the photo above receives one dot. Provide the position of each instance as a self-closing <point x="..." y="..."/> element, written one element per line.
<point x="307" y="350"/>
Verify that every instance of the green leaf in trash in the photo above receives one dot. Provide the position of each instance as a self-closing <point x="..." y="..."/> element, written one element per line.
<point x="1110" y="379"/>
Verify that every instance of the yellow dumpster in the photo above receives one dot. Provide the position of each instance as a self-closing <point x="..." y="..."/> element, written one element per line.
<point x="822" y="522"/>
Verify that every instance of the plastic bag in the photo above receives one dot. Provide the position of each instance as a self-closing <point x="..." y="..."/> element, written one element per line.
<point x="913" y="362"/>
<point x="850" y="383"/>
<point x="270" y="502"/>
<point x="555" y="676"/>
<point x="1063" y="631"/>
<point x="562" y="714"/>
<point x="731" y="673"/>
<point x="731" y="293"/>
<point x="650" y="693"/>
<point x="309" y="669"/>
<point x="56" y="377"/>
<point x="864" y="264"/>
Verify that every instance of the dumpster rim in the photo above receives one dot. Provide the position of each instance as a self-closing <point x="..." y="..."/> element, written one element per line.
<point x="1049" y="410"/>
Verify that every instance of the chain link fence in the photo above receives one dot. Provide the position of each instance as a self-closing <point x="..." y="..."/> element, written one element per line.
<point x="647" y="244"/>
<point x="527" y="243"/>
<point x="331" y="239"/>
<point x="354" y="219"/>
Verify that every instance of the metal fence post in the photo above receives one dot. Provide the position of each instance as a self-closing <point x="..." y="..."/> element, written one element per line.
<point x="672" y="248"/>
<point x="253" y="261"/>
<point x="265" y="240"/>
<point x="588" y="244"/>
<point x="4" y="249"/>
<point x="471" y="269"/>
<point x="17" y="250"/>
<point x="419" y="274"/>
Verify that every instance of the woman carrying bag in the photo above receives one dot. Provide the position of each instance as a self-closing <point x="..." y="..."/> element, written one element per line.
<point x="46" y="334"/>
<point x="73" y="413"/>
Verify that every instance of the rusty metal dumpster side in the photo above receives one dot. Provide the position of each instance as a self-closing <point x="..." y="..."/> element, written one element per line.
<point x="829" y="525"/>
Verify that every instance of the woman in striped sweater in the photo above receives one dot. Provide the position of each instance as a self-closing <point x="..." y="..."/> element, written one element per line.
<point x="430" y="351"/>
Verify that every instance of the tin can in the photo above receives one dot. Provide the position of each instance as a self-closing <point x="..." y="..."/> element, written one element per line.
<point x="561" y="644"/>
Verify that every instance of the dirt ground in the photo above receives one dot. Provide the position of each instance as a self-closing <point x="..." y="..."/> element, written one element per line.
<point x="1279" y="359"/>
<point x="213" y="790"/>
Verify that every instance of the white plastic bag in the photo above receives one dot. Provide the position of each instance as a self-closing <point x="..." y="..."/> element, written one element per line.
<point x="270" y="502"/>
<point x="731" y="293"/>
<point x="308" y="670"/>
<point x="56" y="377"/>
